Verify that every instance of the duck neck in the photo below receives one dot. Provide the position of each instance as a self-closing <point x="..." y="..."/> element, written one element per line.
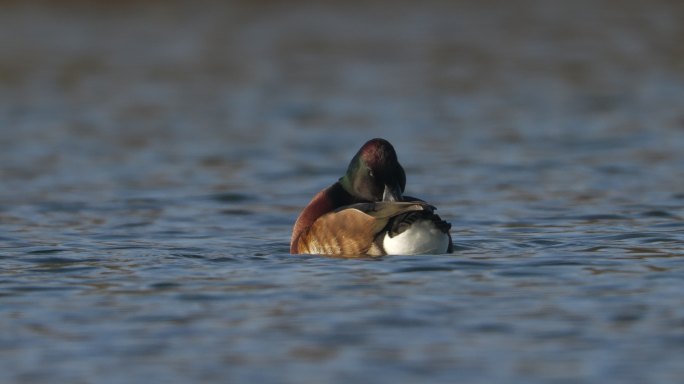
<point x="327" y="200"/>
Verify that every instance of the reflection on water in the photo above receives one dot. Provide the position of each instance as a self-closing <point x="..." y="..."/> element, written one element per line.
<point x="153" y="158"/>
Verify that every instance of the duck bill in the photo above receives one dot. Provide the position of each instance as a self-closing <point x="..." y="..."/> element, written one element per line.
<point x="391" y="193"/>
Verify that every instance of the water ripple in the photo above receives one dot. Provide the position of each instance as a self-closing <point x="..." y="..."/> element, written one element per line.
<point x="154" y="157"/>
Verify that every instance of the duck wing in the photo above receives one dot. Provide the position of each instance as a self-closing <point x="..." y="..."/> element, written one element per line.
<point x="352" y="229"/>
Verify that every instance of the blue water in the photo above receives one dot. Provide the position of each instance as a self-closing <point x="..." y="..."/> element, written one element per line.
<point x="153" y="158"/>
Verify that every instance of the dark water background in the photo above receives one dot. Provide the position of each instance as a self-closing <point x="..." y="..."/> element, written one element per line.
<point x="153" y="157"/>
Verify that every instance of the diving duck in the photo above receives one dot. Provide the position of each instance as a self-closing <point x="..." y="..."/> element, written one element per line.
<point x="366" y="213"/>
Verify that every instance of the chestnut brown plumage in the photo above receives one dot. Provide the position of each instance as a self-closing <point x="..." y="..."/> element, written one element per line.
<point x="365" y="210"/>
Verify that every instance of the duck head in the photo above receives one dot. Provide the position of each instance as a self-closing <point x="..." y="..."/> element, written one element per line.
<point x="374" y="174"/>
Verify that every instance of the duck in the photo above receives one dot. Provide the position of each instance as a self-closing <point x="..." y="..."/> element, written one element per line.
<point x="365" y="213"/>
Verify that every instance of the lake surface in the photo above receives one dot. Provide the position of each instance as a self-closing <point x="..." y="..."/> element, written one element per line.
<point x="154" y="157"/>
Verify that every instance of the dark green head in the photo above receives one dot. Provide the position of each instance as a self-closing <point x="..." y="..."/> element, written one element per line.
<point x="374" y="174"/>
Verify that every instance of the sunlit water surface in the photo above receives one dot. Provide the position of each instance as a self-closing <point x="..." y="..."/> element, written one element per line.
<point x="153" y="159"/>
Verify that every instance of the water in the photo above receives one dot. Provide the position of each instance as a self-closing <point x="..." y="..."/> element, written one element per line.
<point x="154" y="157"/>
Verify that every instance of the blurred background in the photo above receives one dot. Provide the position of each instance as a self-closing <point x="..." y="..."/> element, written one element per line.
<point x="110" y="97"/>
<point x="155" y="154"/>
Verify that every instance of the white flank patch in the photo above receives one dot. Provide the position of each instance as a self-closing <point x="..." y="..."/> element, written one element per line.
<point x="420" y="239"/>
